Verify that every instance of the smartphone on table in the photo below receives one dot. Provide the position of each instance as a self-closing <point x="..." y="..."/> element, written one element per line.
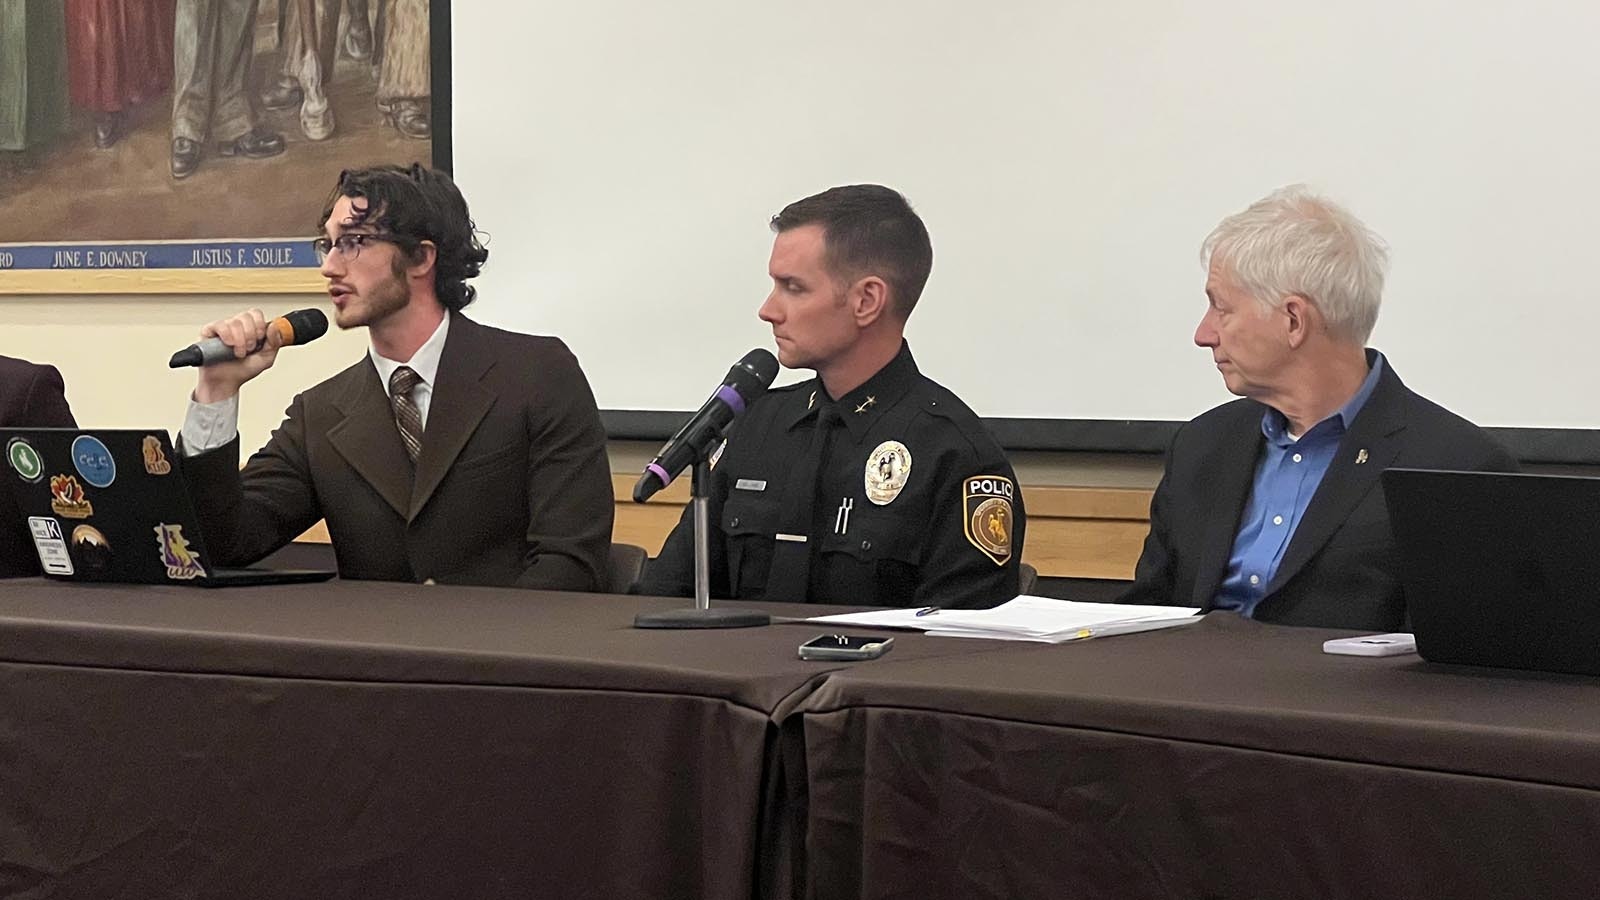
<point x="1392" y="644"/>
<point x="845" y="646"/>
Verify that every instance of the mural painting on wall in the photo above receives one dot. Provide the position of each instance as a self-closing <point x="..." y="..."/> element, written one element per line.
<point x="198" y="134"/>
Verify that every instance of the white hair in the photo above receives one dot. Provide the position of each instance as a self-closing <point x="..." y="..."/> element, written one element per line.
<point x="1295" y="242"/>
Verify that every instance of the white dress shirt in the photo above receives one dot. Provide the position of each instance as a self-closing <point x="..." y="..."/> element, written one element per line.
<point x="208" y="426"/>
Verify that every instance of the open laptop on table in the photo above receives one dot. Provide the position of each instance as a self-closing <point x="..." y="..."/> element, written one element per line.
<point x="1500" y="569"/>
<point x="112" y="505"/>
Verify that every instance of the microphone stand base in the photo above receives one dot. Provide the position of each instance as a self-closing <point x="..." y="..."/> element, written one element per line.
<point x="717" y="617"/>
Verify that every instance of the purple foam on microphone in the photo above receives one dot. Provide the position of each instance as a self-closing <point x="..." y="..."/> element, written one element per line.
<point x="660" y="473"/>
<point x="731" y="397"/>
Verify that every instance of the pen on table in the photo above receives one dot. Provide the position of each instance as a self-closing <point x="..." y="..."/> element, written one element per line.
<point x="927" y="611"/>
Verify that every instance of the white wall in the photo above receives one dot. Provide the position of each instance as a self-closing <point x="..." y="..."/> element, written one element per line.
<point x="1068" y="157"/>
<point x="112" y="351"/>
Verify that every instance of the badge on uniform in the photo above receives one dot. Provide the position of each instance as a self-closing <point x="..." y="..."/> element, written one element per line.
<point x="987" y="501"/>
<point x="887" y="470"/>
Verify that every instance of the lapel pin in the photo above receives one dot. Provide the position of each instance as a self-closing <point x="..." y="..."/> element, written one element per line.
<point x="863" y="407"/>
<point x="1361" y="456"/>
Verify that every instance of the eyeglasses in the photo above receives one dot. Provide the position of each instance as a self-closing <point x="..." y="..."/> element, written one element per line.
<point x="349" y="244"/>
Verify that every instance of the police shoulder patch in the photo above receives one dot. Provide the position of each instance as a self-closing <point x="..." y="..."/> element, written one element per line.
<point x="987" y="501"/>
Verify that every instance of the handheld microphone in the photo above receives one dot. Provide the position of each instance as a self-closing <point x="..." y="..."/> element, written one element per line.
<point x="299" y="327"/>
<point x="746" y="381"/>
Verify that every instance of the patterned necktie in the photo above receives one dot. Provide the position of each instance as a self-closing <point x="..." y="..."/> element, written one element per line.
<point x="406" y="415"/>
<point x="789" y="579"/>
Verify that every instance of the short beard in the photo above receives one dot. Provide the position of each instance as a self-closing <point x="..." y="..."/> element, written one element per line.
<point x="386" y="299"/>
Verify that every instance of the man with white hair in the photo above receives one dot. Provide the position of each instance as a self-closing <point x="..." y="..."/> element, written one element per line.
<point x="1271" y="505"/>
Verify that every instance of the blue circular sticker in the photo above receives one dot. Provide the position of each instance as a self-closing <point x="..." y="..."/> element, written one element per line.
<point x="93" y="461"/>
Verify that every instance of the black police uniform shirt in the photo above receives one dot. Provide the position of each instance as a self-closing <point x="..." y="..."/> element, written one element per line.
<point x="914" y="502"/>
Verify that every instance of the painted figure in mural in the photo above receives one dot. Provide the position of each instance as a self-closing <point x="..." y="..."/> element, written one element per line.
<point x="358" y="31"/>
<point x="308" y="37"/>
<point x="33" y="78"/>
<point x="119" y="55"/>
<point x="213" y="96"/>
<point x="403" y="70"/>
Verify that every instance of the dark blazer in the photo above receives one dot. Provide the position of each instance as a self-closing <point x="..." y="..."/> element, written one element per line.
<point x="513" y="486"/>
<point x="31" y="396"/>
<point x="1340" y="569"/>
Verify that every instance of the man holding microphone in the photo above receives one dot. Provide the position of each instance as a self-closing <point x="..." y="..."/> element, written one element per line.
<point x="452" y="452"/>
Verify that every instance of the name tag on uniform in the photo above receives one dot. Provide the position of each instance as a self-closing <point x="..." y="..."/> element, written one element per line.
<point x="749" y="484"/>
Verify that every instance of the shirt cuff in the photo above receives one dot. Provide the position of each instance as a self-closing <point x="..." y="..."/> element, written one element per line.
<point x="208" y="426"/>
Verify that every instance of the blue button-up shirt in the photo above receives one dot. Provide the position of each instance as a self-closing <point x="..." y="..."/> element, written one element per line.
<point x="1286" y="479"/>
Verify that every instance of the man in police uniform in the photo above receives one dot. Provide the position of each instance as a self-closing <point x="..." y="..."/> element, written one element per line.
<point x="869" y="484"/>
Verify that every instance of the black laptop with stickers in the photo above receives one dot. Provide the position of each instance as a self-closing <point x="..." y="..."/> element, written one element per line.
<point x="111" y="505"/>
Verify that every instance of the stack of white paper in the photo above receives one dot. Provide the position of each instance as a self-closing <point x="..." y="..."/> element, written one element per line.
<point x="1025" y="619"/>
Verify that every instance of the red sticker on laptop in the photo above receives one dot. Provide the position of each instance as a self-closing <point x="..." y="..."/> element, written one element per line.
<point x="67" y="499"/>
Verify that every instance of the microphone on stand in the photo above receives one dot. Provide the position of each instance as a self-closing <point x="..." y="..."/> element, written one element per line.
<point x="747" y="380"/>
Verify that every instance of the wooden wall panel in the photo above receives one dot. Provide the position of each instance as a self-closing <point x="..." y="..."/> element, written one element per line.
<point x="1073" y="532"/>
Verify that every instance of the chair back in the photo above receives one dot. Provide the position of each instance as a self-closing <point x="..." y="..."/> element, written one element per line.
<point x="624" y="566"/>
<point x="1028" y="580"/>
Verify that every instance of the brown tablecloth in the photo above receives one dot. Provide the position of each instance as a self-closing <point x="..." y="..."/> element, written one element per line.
<point x="379" y="740"/>
<point x="1223" y="759"/>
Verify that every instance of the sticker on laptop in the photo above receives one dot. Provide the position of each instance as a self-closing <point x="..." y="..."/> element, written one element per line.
<point x="52" y="548"/>
<point x="24" y="460"/>
<point x="67" y="499"/>
<point x="93" y="461"/>
<point x="90" y="546"/>
<point x="182" y="563"/>
<point x="155" y="460"/>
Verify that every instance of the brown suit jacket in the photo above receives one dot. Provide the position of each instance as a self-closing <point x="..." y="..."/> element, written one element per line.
<point x="513" y="486"/>
<point x="31" y="396"/>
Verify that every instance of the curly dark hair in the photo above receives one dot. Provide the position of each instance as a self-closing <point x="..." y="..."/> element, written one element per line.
<point x="417" y="204"/>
